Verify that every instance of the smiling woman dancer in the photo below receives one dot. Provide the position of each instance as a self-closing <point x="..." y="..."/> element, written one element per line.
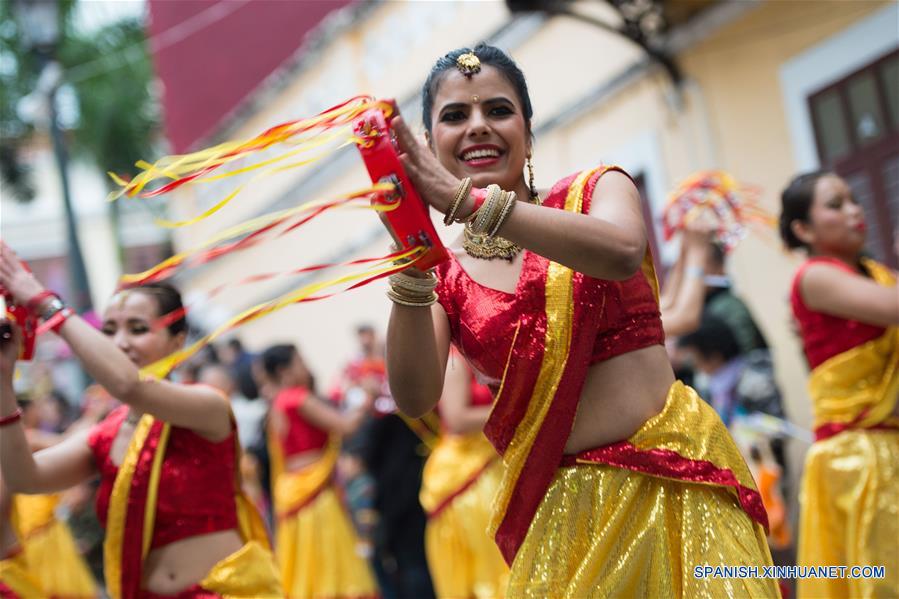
<point x="618" y="480"/>
<point x="176" y="524"/>
<point x="847" y="308"/>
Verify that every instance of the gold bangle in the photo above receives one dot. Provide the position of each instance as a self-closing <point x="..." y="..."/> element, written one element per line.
<point x="414" y="303"/>
<point x="485" y="212"/>
<point x="504" y="214"/>
<point x="461" y="193"/>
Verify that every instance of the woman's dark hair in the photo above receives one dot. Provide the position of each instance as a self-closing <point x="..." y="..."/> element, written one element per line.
<point x="488" y="55"/>
<point x="168" y="300"/>
<point x="277" y="357"/>
<point x="796" y="201"/>
<point x="713" y="338"/>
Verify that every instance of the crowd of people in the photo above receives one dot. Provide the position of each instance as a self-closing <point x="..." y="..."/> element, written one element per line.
<point x="543" y="419"/>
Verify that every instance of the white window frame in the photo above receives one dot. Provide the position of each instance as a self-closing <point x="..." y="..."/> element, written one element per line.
<point x="830" y="60"/>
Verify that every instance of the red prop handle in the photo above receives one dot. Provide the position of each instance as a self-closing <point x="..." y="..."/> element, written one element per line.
<point x="25" y="320"/>
<point x="409" y="224"/>
<point x="20" y="316"/>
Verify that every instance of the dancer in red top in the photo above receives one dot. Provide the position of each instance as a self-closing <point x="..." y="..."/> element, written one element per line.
<point x="847" y="309"/>
<point x="169" y="492"/>
<point x="459" y="481"/>
<point x="315" y="542"/>
<point x="618" y="479"/>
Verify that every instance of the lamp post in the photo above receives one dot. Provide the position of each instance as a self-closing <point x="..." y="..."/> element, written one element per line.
<point x="39" y="23"/>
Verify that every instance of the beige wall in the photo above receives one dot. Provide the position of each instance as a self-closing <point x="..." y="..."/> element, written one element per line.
<point x="730" y="116"/>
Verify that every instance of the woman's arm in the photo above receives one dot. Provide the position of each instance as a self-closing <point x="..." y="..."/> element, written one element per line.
<point x="418" y="342"/>
<point x="609" y="243"/>
<point x="50" y="470"/>
<point x="456" y="410"/>
<point x="684" y="314"/>
<point x="673" y="283"/>
<point x="199" y="408"/>
<point x="327" y="417"/>
<point x="832" y="290"/>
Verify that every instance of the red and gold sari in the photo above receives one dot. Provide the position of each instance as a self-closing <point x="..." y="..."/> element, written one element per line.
<point x="248" y="573"/>
<point x="49" y="550"/>
<point x="315" y="543"/>
<point x="628" y="519"/>
<point x="459" y="481"/>
<point x="850" y="486"/>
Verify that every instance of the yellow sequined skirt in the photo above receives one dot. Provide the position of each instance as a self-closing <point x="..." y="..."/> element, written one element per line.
<point x="603" y="531"/>
<point x="16" y="582"/>
<point x="316" y="552"/>
<point x="464" y="561"/>
<point x="850" y="512"/>
<point x="49" y="549"/>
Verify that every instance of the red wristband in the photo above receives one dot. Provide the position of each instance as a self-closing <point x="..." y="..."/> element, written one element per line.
<point x="55" y="322"/>
<point x="11" y="418"/>
<point x="34" y="303"/>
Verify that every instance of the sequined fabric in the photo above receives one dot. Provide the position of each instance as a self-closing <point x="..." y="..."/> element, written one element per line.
<point x="823" y="335"/>
<point x="192" y="464"/>
<point x="458" y="484"/>
<point x="610" y="532"/>
<point x="850" y="512"/>
<point x="316" y="552"/>
<point x="849" y="498"/>
<point x="16" y="582"/>
<point x="300" y="435"/>
<point x="49" y="551"/>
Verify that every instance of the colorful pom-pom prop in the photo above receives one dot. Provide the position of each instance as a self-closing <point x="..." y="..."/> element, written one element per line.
<point x="715" y="195"/>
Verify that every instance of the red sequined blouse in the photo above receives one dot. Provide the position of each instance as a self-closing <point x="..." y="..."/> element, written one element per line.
<point x="196" y="487"/>
<point x="301" y="434"/>
<point x="824" y="335"/>
<point x="483" y="320"/>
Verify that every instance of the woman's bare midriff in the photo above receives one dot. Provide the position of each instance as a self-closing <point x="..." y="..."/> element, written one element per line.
<point x="182" y="564"/>
<point x="619" y="395"/>
<point x="298" y="461"/>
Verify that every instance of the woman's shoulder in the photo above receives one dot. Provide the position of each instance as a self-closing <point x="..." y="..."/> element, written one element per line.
<point x="105" y="430"/>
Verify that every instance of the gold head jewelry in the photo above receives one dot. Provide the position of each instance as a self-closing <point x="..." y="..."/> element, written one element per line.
<point x="468" y="64"/>
<point x="475" y="99"/>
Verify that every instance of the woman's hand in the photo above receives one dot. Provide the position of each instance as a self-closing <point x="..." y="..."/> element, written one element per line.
<point x="15" y="278"/>
<point x="9" y="351"/>
<point x="436" y="185"/>
<point x="700" y="232"/>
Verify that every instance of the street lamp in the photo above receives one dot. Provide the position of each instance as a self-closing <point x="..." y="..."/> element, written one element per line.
<point x="39" y="24"/>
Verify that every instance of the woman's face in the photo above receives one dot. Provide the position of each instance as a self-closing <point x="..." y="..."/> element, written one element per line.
<point x="295" y="374"/>
<point x="479" y="129"/>
<point x="129" y="323"/>
<point x="836" y="222"/>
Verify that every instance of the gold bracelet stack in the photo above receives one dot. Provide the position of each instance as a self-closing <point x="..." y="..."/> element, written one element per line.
<point x="494" y="212"/>
<point x="461" y="194"/>
<point x="481" y="228"/>
<point x="407" y="290"/>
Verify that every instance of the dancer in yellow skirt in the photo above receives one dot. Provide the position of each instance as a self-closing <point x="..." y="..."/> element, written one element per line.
<point x="619" y="481"/>
<point x="847" y="309"/>
<point x="459" y="481"/>
<point x="38" y="542"/>
<point x="315" y="543"/>
<point x="169" y="496"/>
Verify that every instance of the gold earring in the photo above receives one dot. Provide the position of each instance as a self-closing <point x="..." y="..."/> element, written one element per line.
<point x="533" y="188"/>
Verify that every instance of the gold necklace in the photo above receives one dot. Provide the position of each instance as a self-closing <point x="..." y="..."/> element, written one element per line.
<point x="484" y="247"/>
